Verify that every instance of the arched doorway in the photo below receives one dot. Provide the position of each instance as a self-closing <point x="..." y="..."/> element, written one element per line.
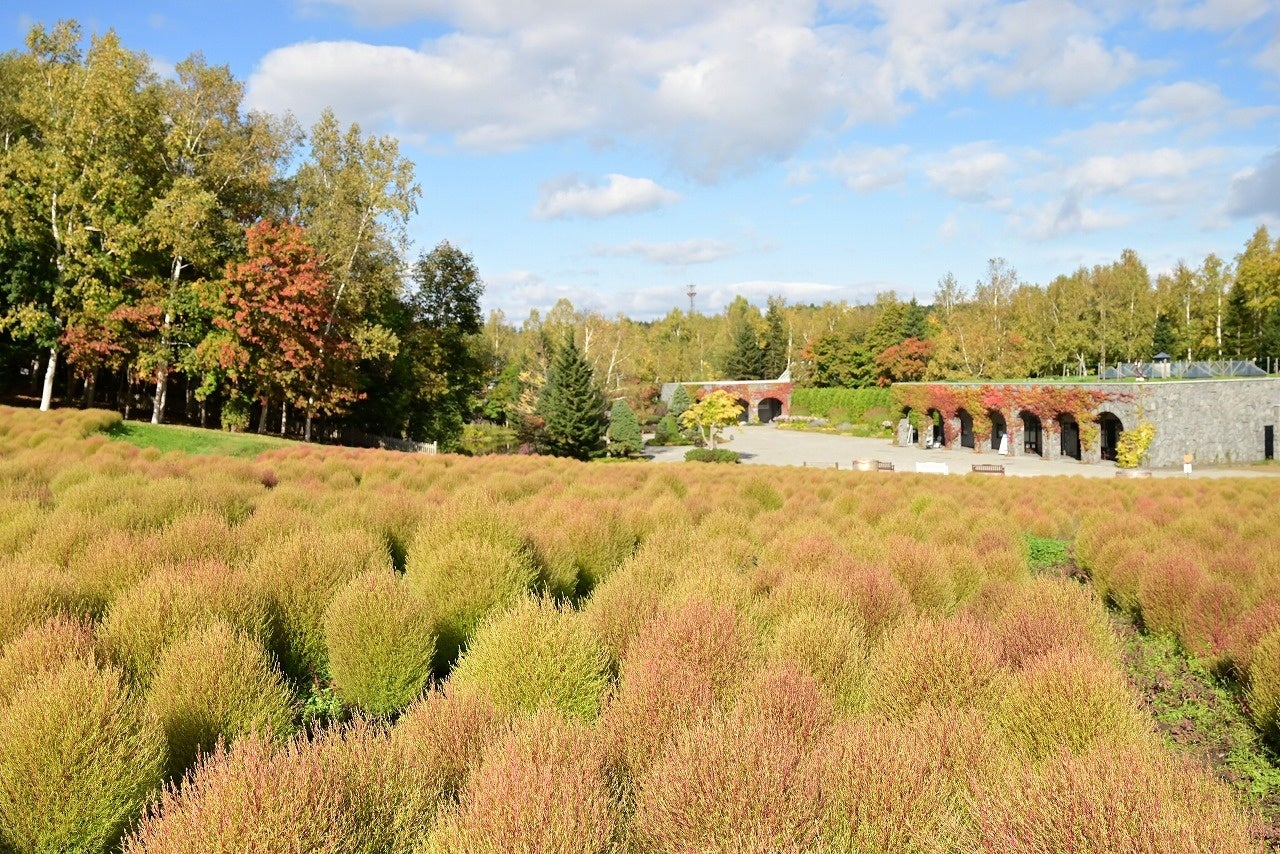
<point x="1069" y="429"/>
<point x="935" y="435"/>
<point x="966" y="428"/>
<point x="907" y="433"/>
<point x="744" y="411"/>
<point x="768" y="409"/>
<point x="1032" y="435"/>
<point x="999" y="429"/>
<point x="1109" y="428"/>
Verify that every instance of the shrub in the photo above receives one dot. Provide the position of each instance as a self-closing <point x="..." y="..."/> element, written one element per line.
<point x="1069" y="699"/>
<point x="678" y="670"/>
<point x="1048" y="614"/>
<point x="667" y="432"/>
<point x="1264" y="685"/>
<point x="252" y="798"/>
<point x="43" y="649"/>
<point x="33" y="594"/>
<point x="380" y="641"/>
<point x="463" y="579"/>
<point x="541" y="788"/>
<point x="933" y="661"/>
<point x="303" y="572"/>
<point x="484" y="438"/>
<point x="78" y="758"/>
<point x="877" y="786"/>
<point x="624" y="431"/>
<point x="1125" y="799"/>
<point x="579" y="543"/>
<point x="535" y="656"/>
<point x="734" y="783"/>
<point x="711" y="455"/>
<point x="439" y="739"/>
<point x="161" y="608"/>
<point x="217" y="684"/>
<point x="829" y="646"/>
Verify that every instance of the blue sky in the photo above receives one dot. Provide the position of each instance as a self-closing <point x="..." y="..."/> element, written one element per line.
<point x="617" y="152"/>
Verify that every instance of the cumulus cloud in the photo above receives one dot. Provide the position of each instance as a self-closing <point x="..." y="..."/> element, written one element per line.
<point x="866" y="170"/>
<point x="716" y="87"/>
<point x="1070" y="214"/>
<point x="971" y="173"/>
<point x="679" y="253"/>
<point x="620" y="194"/>
<point x="1256" y="190"/>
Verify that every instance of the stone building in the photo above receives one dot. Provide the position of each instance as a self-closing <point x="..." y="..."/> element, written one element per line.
<point x="1215" y="420"/>
<point x="761" y="401"/>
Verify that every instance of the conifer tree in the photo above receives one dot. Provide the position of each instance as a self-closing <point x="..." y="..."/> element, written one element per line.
<point x="624" y="433"/>
<point x="572" y="406"/>
<point x="746" y="361"/>
<point x="680" y="401"/>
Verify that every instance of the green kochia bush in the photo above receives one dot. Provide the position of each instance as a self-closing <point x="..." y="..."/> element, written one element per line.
<point x="217" y="683"/>
<point x="78" y="758"/>
<point x="534" y="656"/>
<point x="381" y="640"/>
<point x="462" y="579"/>
<point x="43" y="649"/>
<point x="707" y="455"/>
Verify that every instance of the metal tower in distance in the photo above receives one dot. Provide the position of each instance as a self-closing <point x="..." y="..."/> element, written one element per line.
<point x="692" y="292"/>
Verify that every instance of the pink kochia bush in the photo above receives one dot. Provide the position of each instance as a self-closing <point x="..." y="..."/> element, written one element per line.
<point x="542" y="788"/>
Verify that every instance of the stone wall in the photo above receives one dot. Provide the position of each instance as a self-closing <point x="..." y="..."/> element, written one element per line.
<point x="1217" y="421"/>
<point x="752" y="391"/>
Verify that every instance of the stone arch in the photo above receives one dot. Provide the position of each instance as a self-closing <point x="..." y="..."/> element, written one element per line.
<point x="999" y="428"/>
<point x="907" y="433"/>
<point x="1032" y="434"/>
<point x="1069" y="432"/>
<point x="966" y="429"/>
<point x="744" y="411"/>
<point x="768" y="409"/>
<point x="935" y="434"/>
<point x="1109" y="429"/>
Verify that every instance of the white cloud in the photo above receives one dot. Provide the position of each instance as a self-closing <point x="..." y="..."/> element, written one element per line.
<point x="1115" y="173"/>
<point x="1256" y="190"/>
<point x="1070" y="214"/>
<point x="1208" y="14"/>
<point x="866" y="170"/>
<point x="718" y="87"/>
<point x="973" y="173"/>
<point x="621" y="194"/>
<point x="1185" y="101"/>
<point x="674" y="253"/>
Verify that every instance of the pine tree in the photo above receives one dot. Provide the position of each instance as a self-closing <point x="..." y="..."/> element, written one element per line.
<point x="775" y="342"/>
<point x="572" y="406"/>
<point x="746" y="361"/>
<point x="624" y="433"/>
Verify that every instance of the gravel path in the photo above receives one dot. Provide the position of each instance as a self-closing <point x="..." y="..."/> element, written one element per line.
<point x="770" y="446"/>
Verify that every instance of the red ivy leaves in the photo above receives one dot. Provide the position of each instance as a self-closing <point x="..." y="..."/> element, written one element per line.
<point x="1045" y="402"/>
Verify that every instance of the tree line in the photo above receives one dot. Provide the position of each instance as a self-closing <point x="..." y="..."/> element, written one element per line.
<point x="165" y="252"/>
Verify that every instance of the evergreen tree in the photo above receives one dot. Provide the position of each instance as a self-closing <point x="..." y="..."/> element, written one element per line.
<point x="746" y="360"/>
<point x="572" y="406"/>
<point x="775" y="341"/>
<point x="624" y="434"/>
<point x="680" y="401"/>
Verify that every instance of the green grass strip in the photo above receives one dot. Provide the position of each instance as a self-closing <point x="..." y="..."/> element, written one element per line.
<point x="195" y="440"/>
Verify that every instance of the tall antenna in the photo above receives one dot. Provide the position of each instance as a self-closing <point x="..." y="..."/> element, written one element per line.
<point x="692" y="292"/>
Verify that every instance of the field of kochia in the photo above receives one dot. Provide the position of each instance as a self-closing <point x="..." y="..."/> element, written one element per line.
<point x="331" y="650"/>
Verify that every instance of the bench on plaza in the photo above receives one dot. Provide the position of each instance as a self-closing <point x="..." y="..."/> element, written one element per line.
<point x="884" y="465"/>
<point x="988" y="468"/>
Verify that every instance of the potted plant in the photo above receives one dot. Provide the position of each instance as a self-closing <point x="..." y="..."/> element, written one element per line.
<point x="1131" y="449"/>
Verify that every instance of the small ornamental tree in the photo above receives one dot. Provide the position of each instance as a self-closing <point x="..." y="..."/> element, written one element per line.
<point x="711" y="415"/>
<point x="1132" y="445"/>
<point x="680" y="402"/>
<point x="572" y="406"/>
<point x="624" y="434"/>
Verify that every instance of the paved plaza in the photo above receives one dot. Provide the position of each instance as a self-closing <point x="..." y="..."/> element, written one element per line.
<point x="771" y="446"/>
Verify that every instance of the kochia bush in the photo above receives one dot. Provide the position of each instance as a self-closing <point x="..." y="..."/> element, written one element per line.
<point x="78" y="759"/>
<point x="217" y="684"/>
<point x="536" y="656"/>
<point x="380" y="640"/>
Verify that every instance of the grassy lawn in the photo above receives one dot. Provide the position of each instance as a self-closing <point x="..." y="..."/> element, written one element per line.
<point x="195" y="440"/>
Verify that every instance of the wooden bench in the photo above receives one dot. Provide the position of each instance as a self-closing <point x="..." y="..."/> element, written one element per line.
<point x="884" y="465"/>
<point x="988" y="468"/>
